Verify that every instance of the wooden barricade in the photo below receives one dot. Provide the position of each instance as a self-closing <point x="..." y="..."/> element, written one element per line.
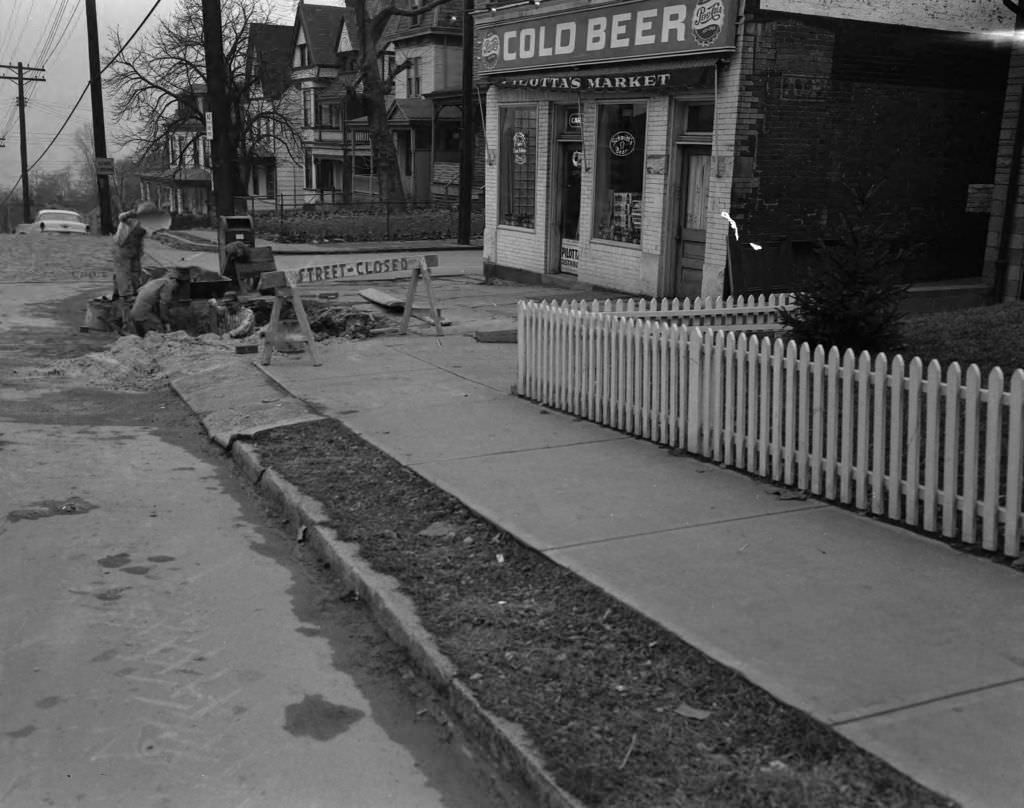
<point x="287" y="284"/>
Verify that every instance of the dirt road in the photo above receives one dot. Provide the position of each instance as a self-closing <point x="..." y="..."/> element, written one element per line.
<point x="163" y="645"/>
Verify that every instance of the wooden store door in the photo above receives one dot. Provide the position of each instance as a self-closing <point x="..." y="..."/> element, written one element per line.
<point x="691" y="229"/>
<point x="571" y="162"/>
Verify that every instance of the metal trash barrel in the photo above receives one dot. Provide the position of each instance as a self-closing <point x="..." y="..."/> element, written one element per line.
<point x="233" y="230"/>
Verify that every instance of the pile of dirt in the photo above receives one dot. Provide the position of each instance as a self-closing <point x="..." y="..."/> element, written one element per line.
<point x="131" y="363"/>
<point x="326" y="319"/>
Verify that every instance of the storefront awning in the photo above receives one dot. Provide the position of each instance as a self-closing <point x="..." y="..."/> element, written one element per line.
<point x="696" y="73"/>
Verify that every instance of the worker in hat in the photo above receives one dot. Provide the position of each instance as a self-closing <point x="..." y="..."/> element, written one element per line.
<point x="233" y="319"/>
<point x="151" y="310"/>
<point x="128" y="249"/>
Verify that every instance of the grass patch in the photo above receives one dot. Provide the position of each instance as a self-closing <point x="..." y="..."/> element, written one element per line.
<point x="596" y="686"/>
<point x="988" y="336"/>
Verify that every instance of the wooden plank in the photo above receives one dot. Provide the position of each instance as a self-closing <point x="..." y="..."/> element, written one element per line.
<point x="915" y="388"/>
<point x="1014" y="465"/>
<point x="878" y="434"/>
<point x="932" y="444"/>
<point x="972" y="403"/>
<point x="896" y="431"/>
<point x="307" y="332"/>
<point x="271" y="331"/>
<point x="951" y="450"/>
<point x="382" y="298"/>
<point x="389" y="301"/>
<point x="993" y="459"/>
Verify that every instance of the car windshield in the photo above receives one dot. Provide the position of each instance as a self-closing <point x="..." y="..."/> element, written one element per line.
<point x="60" y="216"/>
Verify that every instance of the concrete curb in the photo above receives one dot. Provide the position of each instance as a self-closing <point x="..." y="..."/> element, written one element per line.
<point x="506" y="743"/>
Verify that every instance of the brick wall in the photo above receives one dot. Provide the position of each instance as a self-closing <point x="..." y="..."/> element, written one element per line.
<point x="948" y="15"/>
<point x="830" y="102"/>
<point x="1007" y="274"/>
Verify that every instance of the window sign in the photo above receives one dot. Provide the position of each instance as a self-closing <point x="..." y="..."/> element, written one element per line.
<point x="520" y="154"/>
<point x="622" y="144"/>
<point x="611" y="32"/>
<point x="619" y="172"/>
<point x="574" y="120"/>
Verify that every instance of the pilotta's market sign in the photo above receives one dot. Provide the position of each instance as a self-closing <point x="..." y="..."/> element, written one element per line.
<point x="665" y="80"/>
<point x="614" y="32"/>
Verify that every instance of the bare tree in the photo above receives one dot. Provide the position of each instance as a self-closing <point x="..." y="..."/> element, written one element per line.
<point x="373" y="20"/>
<point x="125" y="183"/>
<point x="155" y="82"/>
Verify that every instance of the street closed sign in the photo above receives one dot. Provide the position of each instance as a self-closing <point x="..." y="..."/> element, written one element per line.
<point x="381" y="267"/>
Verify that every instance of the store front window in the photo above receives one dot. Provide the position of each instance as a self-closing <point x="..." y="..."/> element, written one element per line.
<point x="517" y="182"/>
<point x="619" y="167"/>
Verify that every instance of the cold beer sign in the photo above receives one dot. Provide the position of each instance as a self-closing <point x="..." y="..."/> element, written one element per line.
<point x="616" y="32"/>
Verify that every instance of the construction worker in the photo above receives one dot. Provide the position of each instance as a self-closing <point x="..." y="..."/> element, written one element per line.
<point x="152" y="308"/>
<point x="231" y="317"/>
<point x="128" y="248"/>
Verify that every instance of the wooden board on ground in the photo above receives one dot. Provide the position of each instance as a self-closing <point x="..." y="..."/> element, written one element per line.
<point x="389" y="301"/>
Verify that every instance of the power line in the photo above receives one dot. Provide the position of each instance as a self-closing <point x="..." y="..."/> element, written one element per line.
<point x="47" y="55"/>
<point x="80" y="97"/>
<point x="5" y="39"/>
<point x="20" y="35"/>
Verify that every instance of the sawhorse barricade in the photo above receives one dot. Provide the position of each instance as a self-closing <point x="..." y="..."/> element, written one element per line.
<point x="287" y="285"/>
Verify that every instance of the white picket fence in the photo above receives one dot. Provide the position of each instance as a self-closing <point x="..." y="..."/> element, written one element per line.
<point x="935" y="451"/>
<point x="760" y="312"/>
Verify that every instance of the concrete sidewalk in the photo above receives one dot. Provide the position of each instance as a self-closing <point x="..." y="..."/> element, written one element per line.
<point x="907" y="647"/>
<point x="206" y="241"/>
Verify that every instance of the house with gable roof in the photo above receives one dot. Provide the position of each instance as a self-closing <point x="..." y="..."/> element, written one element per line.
<point x="426" y="114"/>
<point x="423" y="56"/>
<point x="323" y="71"/>
<point x="268" y="62"/>
<point x="179" y="181"/>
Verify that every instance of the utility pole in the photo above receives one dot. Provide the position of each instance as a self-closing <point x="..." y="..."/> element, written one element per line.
<point x="21" y="78"/>
<point x="217" y="96"/>
<point x="468" y="135"/>
<point x="99" y="134"/>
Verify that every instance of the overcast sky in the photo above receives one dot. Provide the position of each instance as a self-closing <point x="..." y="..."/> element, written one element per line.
<point x="25" y="28"/>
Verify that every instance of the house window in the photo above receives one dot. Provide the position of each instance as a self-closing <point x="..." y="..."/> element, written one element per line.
<point x="271" y="181"/>
<point x="700" y="119"/>
<point x="415" y="19"/>
<point x="518" y="166"/>
<point x="324" y="175"/>
<point x="328" y="116"/>
<point x="388" y="65"/>
<point x="619" y="171"/>
<point x="412" y="79"/>
<point x="309" y="171"/>
<point x="308" y="108"/>
<point x="255" y="182"/>
<point x="302" y="55"/>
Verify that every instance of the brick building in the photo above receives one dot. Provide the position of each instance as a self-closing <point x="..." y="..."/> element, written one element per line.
<point x="1004" y="254"/>
<point x="619" y="133"/>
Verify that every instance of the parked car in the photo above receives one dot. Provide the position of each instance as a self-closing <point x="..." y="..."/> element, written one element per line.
<point x="55" y="221"/>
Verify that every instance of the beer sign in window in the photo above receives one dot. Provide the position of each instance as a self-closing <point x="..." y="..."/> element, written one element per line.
<point x="619" y="181"/>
